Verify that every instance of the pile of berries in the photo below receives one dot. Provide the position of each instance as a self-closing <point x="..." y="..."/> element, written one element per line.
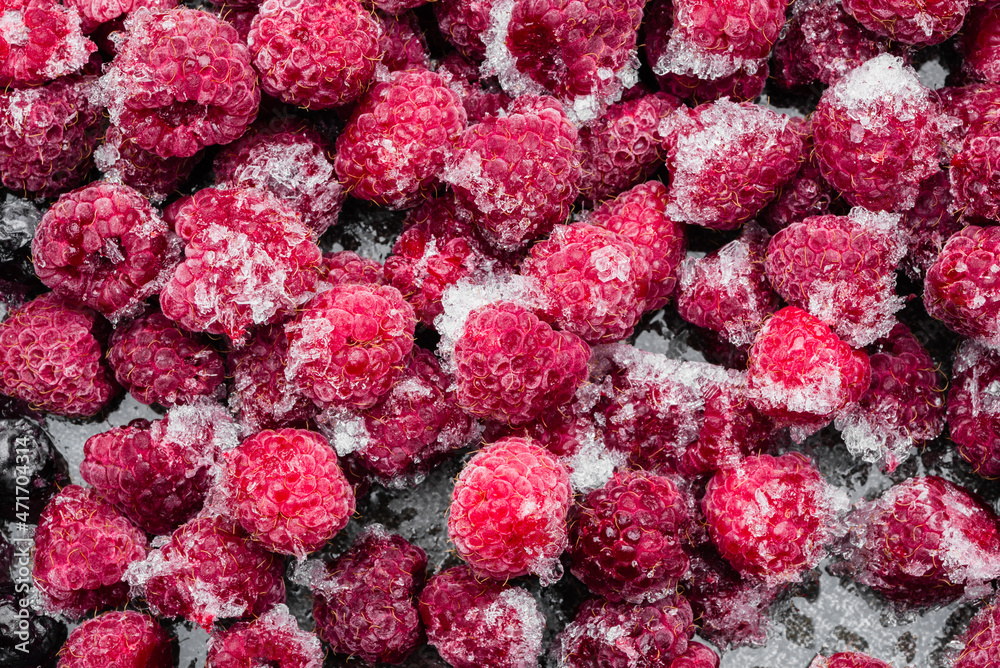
<point x="524" y="194"/>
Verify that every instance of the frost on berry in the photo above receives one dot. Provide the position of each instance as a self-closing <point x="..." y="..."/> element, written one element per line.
<point x="974" y="406"/>
<point x="908" y="22"/>
<point x="847" y="660"/>
<point x="124" y="639"/>
<point x="974" y="177"/>
<point x="981" y="640"/>
<point x="272" y="637"/>
<point x="121" y="160"/>
<point x="40" y="40"/>
<point x="929" y="225"/>
<point x="95" y="12"/>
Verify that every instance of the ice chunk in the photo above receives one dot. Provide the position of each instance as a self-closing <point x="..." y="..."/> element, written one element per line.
<point x="344" y="429"/>
<point x="500" y="62"/>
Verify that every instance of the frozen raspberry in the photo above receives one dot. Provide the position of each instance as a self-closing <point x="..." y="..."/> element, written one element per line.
<point x="209" y="569"/>
<point x="49" y="357"/>
<point x="95" y="12"/>
<point x="474" y="623"/>
<point x="395" y="7"/>
<point x="349" y="343"/>
<point x="120" y="159"/>
<point x="249" y="260"/>
<point x="517" y="173"/>
<point x="848" y="660"/>
<point x="975" y="179"/>
<point x="697" y="656"/>
<point x="403" y="43"/>
<point x="293" y="166"/>
<point x="981" y="641"/>
<point x="639" y="215"/>
<point x="878" y="133"/>
<point x="273" y="639"/>
<point x="801" y="374"/>
<point x="47" y="136"/>
<point x="740" y="87"/>
<point x="117" y="640"/>
<point x="929" y="225"/>
<point x="974" y="407"/>
<point x="909" y="22"/>
<point x="464" y="23"/>
<point x="625" y="538"/>
<point x="315" y="53"/>
<point x="398" y="138"/>
<point x="157" y="474"/>
<point x="40" y="40"/>
<point x="511" y="367"/>
<point x="970" y="104"/>
<point x="727" y="161"/>
<point x="924" y="542"/>
<point x="620" y="635"/>
<point x="176" y="116"/>
<point x="508" y="511"/>
<point x="979" y="43"/>
<point x="26" y="452"/>
<point x="962" y="289"/>
<point x="348" y="267"/>
<point x="82" y="548"/>
<point x="481" y="96"/>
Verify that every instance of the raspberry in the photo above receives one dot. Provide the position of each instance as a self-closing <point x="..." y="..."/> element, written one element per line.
<point x="848" y="660"/>
<point x="40" y="40"/>
<point x="909" y="22"/>
<point x="924" y="542"/>
<point x="120" y="159"/>
<point x="739" y="86"/>
<point x="176" y="116"/>
<point x="981" y="640"/>
<point x="508" y="511"/>
<point x="878" y="133"/>
<point x="158" y="474"/>
<point x="209" y="569"/>
<point x="26" y="451"/>
<point x="981" y="58"/>
<point x="975" y="180"/>
<point x="801" y="374"/>
<point x="697" y="656"/>
<point x="969" y="104"/>
<point x="962" y="290"/>
<point x="93" y="13"/>
<point x="929" y="225"/>
<point x="117" y="640"/>
<point x="249" y="260"/>
<point x="475" y="623"/>
<point x="639" y="215"/>
<point x="403" y="43"/>
<point x="274" y="638"/>
<point x="366" y="602"/>
<point x="806" y="194"/>
<point x="625" y="538"/>
<point x="518" y="173"/>
<point x="973" y="407"/>
<point x="82" y="548"/>
<point x="315" y="53"/>
<point x="348" y="267"/>
<point x="464" y="23"/>
<point x="348" y="344"/>
<point x="50" y="357"/>
<point x="287" y="491"/>
<point x="726" y="161"/>
<point x="511" y="367"/>
<point x="47" y="136"/>
<point x="620" y="635"/>
<point x="399" y="135"/>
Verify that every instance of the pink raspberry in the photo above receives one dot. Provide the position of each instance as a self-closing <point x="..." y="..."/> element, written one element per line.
<point x="626" y="538"/>
<point x="403" y="42"/>
<point x="213" y="103"/>
<point x="848" y="660"/>
<point x="980" y="43"/>
<point x="727" y="161"/>
<point x="910" y="22"/>
<point x="315" y="53"/>
<point x="508" y="511"/>
<point x="981" y="639"/>
<point x="120" y="158"/>
<point x="347" y="345"/>
<point x="117" y="640"/>
<point x="481" y="96"/>
<point x="974" y="176"/>
<point x="474" y="623"/>
<point x="47" y="135"/>
<point x="287" y="490"/>
<point x="40" y="40"/>
<point x="209" y="569"/>
<point x="273" y="638"/>
<point x="930" y="223"/>
<point x="639" y="215"/>
<point x="801" y="374"/>
<point x="924" y="542"/>
<point x="511" y="367"/>
<point x="878" y="133"/>
<point x="962" y="290"/>
<point x="395" y="145"/>
<point x="969" y="104"/>
<point x="366" y="601"/>
<point x="95" y="12"/>
<point x="697" y="656"/>
<point x="517" y="173"/>
<point x="805" y="194"/>
<point x="771" y="517"/>
<point x="974" y="407"/>
<point x="348" y="267"/>
<point x="50" y="357"/>
<point x="82" y="548"/>
<point x="739" y="86"/>
<point x="249" y="261"/>
<point x="464" y="23"/>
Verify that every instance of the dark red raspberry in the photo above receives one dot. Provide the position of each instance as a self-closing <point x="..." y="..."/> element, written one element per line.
<point x="82" y="548"/>
<point x="930" y="223"/>
<point x="517" y="173"/>
<point x="740" y="87"/>
<point x="481" y="96"/>
<point x="878" y="133"/>
<point x="120" y="159"/>
<point x="47" y="135"/>
<point x="272" y="639"/>
<point x="347" y="345"/>
<point x="981" y="641"/>
<point x="639" y="215"/>
<point x="348" y="267"/>
<point x="847" y="660"/>
<point x="801" y="374"/>
<point x="508" y="511"/>
<point x="697" y="656"/>
<point x="209" y="569"/>
<point x="980" y="43"/>
<point x="625" y="538"/>
<point x="50" y="358"/>
<point x="395" y="145"/>
<point x="727" y="161"/>
<point x="974" y="407"/>
<point x="621" y="635"/>
<point x="511" y="367"/>
<point x="158" y="474"/>
<point x="924" y="542"/>
<point x="474" y="623"/>
<point x="974" y="176"/>
<point x="805" y="194"/>
<point x="176" y="116"/>
<point x="910" y="22"/>
<point x="464" y="23"/>
<point x="117" y="640"/>
<point x="366" y="601"/>
<point x="249" y="261"/>
<point x="315" y="53"/>
<point x="962" y="289"/>
<point x="403" y="42"/>
<point x="970" y="104"/>
<point x="40" y="40"/>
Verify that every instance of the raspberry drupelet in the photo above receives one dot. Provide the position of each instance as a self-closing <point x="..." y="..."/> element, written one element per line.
<point x="117" y="640"/>
<point x="981" y="639"/>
